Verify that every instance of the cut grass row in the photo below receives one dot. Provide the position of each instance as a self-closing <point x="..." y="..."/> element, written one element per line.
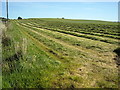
<point x="37" y="70"/>
<point x="55" y="40"/>
<point x="107" y="40"/>
<point x="66" y="64"/>
<point x="50" y="42"/>
<point x="97" y="56"/>
<point x="78" y="41"/>
<point x="115" y="36"/>
<point x="35" y="36"/>
<point x="78" y="27"/>
<point x="64" y="44"/>
<point x="50" y="63"/>
<point x="86" y="51"/>
<point x="74" y="69"/>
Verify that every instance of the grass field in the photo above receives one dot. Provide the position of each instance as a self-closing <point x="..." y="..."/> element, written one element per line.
<point x="60" y="53"/>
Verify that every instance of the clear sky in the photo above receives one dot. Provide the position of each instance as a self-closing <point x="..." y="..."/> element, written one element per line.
<point x="107" y="11"/>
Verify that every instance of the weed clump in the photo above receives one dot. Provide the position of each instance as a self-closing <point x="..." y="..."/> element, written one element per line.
<point x="6" y="41"/>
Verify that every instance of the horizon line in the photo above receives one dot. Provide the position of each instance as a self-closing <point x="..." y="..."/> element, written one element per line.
<point x="65" y="18"/>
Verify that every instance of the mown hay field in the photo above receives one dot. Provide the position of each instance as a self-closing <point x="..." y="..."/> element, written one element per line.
<point x="60" y="53"/>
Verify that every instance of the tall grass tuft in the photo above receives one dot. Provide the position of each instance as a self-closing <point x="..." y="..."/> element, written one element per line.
<point x="24" y="46"/>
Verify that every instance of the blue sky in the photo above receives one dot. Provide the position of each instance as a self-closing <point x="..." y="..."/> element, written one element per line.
<point x="107" y="11"/>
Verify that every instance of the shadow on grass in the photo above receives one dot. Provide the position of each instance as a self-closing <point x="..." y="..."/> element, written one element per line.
<point x="117" y="58"/>
<point x="13" y="62"/>
<point x="15" y="57"/>
<point x="6" y="41"/>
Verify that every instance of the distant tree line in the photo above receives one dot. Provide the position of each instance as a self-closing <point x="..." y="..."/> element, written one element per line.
<point x="19" y="18"/>
<point x="3" y="19"/>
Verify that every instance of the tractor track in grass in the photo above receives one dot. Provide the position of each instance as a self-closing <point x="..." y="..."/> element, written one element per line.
<point x="95" y="55"/>
<point x="92" y="37"/>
